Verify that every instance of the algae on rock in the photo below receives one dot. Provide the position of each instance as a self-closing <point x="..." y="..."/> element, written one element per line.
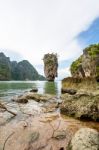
<point x="83" y="105"/>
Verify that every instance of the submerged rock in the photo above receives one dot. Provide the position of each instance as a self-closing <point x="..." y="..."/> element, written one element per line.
<point x="81" y="105"/>
<point x="50" y="66"/>
<point x="85" y="139"/>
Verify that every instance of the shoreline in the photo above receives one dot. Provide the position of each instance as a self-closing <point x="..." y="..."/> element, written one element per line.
<point x="31" y="124"/>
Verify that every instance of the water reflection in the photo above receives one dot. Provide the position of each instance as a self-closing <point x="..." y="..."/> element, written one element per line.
<point x="51" y="88"/>
<point x="9" y="89"/>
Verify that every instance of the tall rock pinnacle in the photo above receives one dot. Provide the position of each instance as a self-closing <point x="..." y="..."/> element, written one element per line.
<point x="50" y="66"/>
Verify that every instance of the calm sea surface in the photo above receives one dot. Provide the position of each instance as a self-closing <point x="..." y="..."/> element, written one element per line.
<point x="8" y="89"/>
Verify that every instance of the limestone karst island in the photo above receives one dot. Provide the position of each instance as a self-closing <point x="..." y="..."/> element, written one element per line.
<point x="49" y="74"/>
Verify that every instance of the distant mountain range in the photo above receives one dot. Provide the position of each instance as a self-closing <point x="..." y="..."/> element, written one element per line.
<point x="13" y="70"/>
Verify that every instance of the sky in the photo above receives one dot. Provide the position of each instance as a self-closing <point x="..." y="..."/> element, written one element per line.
<point x="31" y="28"/>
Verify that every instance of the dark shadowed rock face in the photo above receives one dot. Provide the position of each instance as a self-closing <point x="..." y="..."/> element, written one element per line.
<point x="50" y="66"/>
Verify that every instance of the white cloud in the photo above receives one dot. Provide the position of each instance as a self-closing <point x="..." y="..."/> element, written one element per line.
<point x="34" y="27"/>
<point x="62" y="73"/>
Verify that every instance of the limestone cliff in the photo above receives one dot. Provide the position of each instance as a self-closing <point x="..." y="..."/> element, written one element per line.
<point x="87" y="65"/>
<point x="13" y="70"/>
<point x="5" y="68"/>
<point x="50" y="66"/>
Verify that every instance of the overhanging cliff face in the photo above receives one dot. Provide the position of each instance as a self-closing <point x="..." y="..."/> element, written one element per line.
<point x="50" y="66"/>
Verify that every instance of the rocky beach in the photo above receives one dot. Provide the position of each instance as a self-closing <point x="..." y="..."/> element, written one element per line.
<point x="34" y="121"/>
<point x="67" y="120"/>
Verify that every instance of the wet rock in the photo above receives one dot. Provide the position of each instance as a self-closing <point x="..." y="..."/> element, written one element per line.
<point x="20" y="100"/>
<point x="34" y="90"/>
<point x="85" y="139"/>
<point x="4" y="107"/>
<point x="37" y="97"/>
<point x="59" y="135"/>
<point x="69" y="91"/>
<point x="81" y="105"/>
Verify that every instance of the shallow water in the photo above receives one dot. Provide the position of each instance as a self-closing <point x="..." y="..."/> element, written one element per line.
<point x="8" y="89"/>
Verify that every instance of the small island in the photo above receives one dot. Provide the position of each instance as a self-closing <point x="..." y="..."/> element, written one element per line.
<point x="50" y="66"/>
<point x="13" y="70"/>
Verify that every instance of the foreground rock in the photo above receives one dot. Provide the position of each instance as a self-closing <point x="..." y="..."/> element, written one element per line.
<point x="59" y="135"/>
<point x="34" y="90"/>
<point x="85" y="139"/>
<point x="87" y="83"/>
<point x="34" y="96"/>
<point x="3" y="107"/>
<point x="82" y="105"/>
<point x="69" y="91"/>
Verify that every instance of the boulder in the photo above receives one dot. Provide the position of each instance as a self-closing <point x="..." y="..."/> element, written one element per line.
<point x="37" y="97"/>
<point x="34" y="90"/>
<point x="69" y="91"/>
<point x="85" y="139"/>
<point x="82" y="105"/>
<point x="20" y="100"/>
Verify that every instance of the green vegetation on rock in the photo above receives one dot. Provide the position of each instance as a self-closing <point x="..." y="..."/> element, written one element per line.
<point x="50" y="66"/>
<point x="93" y="50"/>
<point x="17" y="71"/>
<point x="75" y="65"/>
<point x="87" y="65"/>
<point x="5" y="68"/>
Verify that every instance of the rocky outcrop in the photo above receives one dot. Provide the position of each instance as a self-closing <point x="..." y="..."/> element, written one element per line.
<point x="50" y="66"/>
<point x="87" y="65"/>
<point x="11" y="70"/>
<point x="37" y="97"/>
<point x="5" y="67"/>
<point x="85" y="139"/>
<point x="77" y="84"/>
<point x="69" y="91"/>
<point x="34" y="90"/>
<point x="83" y="105"/>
